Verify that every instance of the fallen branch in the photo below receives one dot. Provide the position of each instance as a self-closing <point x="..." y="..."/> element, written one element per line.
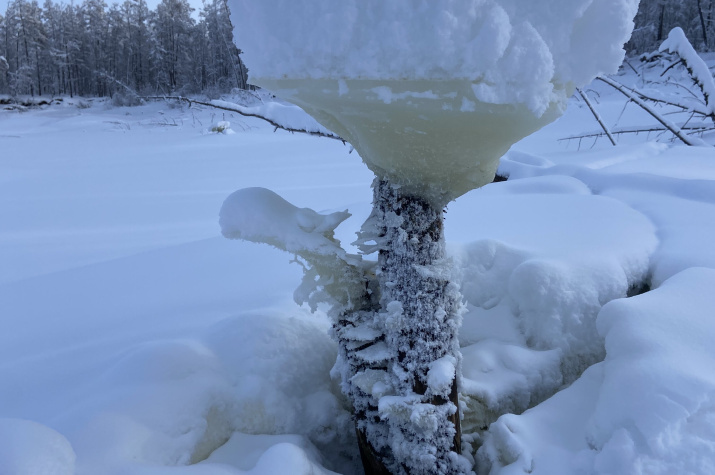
<point x="597" y="116"/>
<point x="636" y="130"/>
<point x="659" y="100"/>
<point x="675" y="130"/>
<point x="268" y="113"/>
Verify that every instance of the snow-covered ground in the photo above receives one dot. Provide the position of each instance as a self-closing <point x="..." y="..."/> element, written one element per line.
<point x="136" y="340"/>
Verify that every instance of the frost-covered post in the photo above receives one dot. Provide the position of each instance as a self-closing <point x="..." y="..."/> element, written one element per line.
<point x="430" y="94"/>
<point x="422" y="313"/>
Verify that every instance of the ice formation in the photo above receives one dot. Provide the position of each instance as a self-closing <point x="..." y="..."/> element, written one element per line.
<point x="513" y="51"/>
<point x="431" y="94"/>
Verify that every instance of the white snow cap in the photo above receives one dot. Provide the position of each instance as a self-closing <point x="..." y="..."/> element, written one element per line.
<point x="515" y="51"/>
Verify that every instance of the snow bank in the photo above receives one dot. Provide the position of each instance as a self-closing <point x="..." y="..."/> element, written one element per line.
<point x="671" y="186"/>
<point x="514" y="51"/>
<point x="649" y="408"/>
<point x="535" y="278"/>
<point x="175" y="402"/>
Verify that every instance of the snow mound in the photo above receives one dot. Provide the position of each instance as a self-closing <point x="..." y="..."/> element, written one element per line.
<point x="514" y="51"/>
<point x="648" y="408"/>
<point x="30" y="448"/>
<point x="535" y="279"/>
<point x="176" y="402"/>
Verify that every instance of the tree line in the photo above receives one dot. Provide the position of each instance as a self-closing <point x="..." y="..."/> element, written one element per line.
<point x="656" y="18"/>
<point x="92" y="49"/>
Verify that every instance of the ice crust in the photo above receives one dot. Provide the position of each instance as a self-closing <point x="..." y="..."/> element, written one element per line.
<point x="513" y="51"/>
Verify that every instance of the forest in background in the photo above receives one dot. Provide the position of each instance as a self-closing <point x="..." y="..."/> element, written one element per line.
<point x="123" y="49"/>
<point x="126" y="49"/>
<point x="656" y="18"/>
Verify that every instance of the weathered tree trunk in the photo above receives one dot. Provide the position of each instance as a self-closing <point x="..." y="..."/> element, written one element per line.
<point x="415" y="428"/>
<point x="702" y="26"/>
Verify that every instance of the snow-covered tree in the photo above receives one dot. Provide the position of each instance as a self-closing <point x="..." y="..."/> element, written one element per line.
<point x="430" y="95"/>
<point x="90" y="48"/>
<point x="656" y="18"/>
<point x="25" y="40"/>
<point x="4" y="66"/>
<point x="172" y="25"/>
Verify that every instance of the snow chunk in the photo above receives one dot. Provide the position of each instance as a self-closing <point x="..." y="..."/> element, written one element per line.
<point x="515" y="52"/>
<point x="361" y="333"/>
<point x="372" y="381"/>
<point x="374" y="353"/>
<point x="222" y="127"/>
<point x="29" y="448"/>
<point x="260" y="215"/>
<point x="441" y="374"/>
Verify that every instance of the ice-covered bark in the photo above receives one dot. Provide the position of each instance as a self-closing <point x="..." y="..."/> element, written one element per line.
<point x="420" y="311"/>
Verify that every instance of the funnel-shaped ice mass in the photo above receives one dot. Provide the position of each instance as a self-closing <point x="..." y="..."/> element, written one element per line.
<point x="431" y="93"/>
<point x="433" y="138"/>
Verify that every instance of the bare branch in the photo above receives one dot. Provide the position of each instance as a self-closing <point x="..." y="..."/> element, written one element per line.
<point x="672" y="65"/>
<point x="637" y="130"/>
<point x="664" y="101"/>
<point x="625" y="61"/>
<point x="597" y="116"/>
<point x="665" y="122"/>
<point x="250" y="112"/>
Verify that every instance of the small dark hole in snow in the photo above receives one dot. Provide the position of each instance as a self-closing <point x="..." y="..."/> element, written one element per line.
<point x="638" y="289"/>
